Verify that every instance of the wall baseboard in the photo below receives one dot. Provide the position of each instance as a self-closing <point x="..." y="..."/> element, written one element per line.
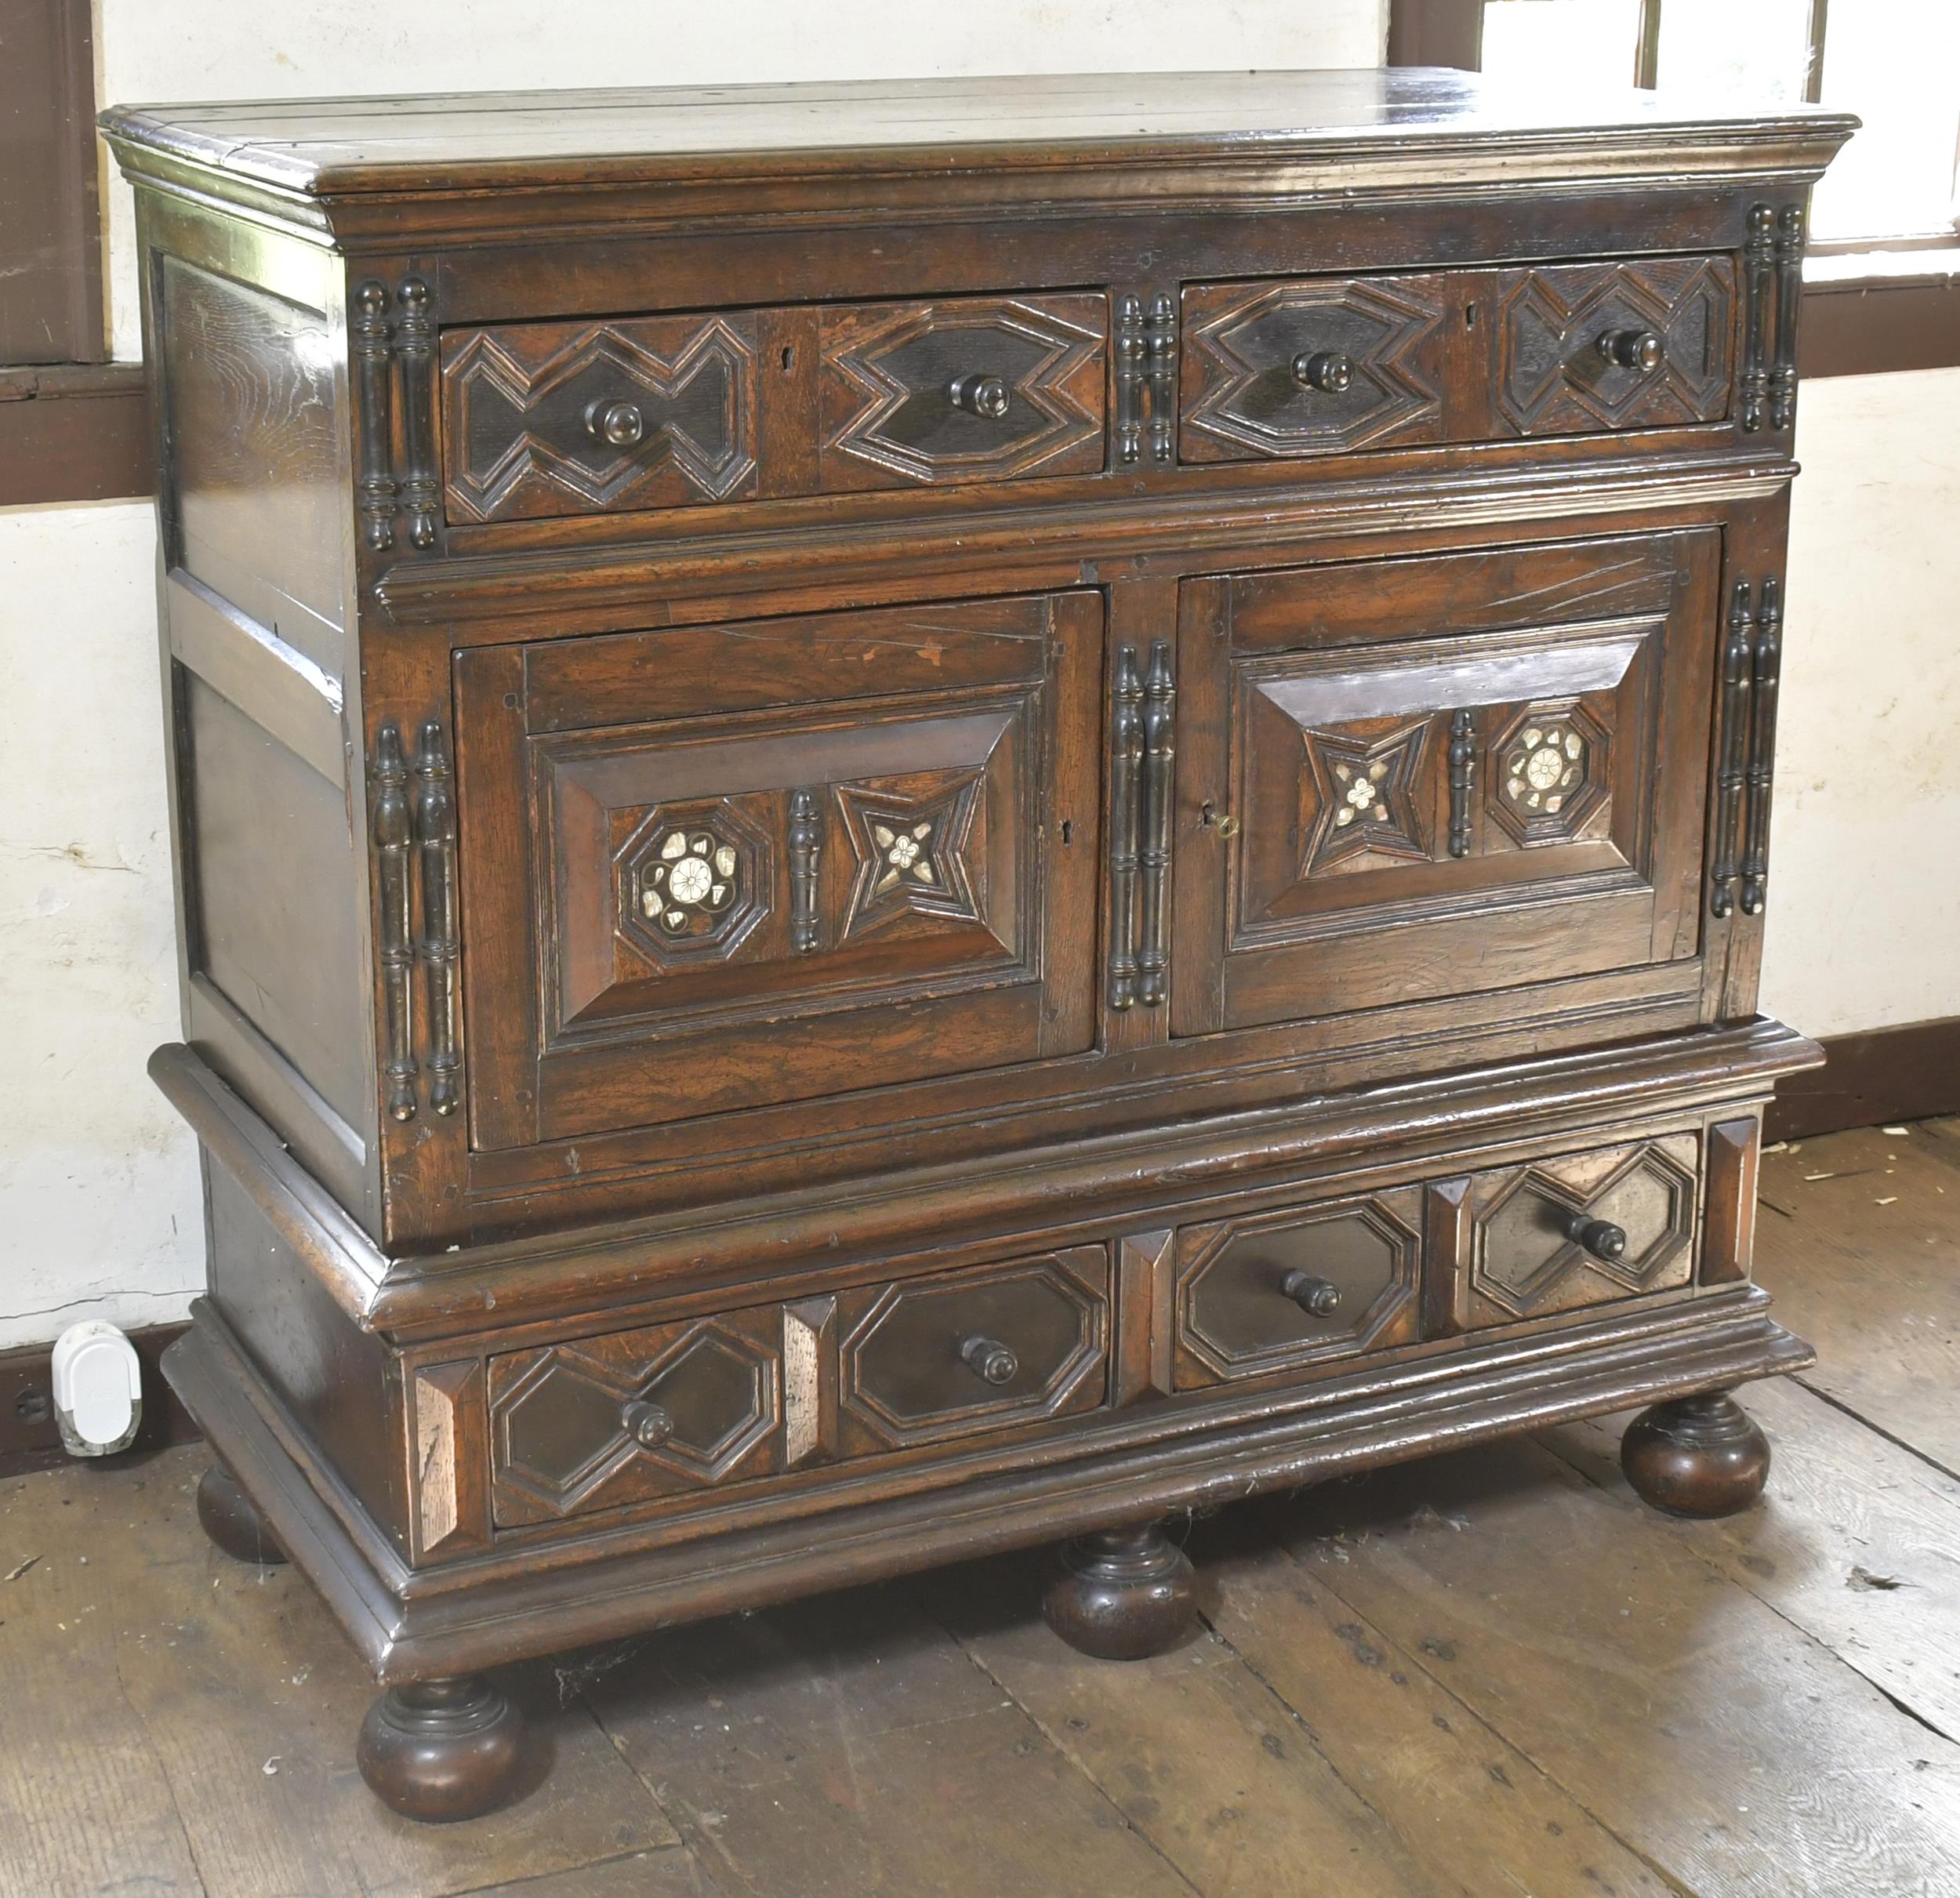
<point x="30" y="1439"/>
<point x="1909" y="1073"/>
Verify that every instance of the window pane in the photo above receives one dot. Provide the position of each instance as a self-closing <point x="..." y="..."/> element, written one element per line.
<point x="1897" y="64"/>
<point x="1756" y="51"/>
<point x="1562" y="44"/>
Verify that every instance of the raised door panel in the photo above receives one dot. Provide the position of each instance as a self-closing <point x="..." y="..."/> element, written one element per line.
<point x="966" y="389"/>
<point x="1582" y="348"/>
<point x="729" y="866"/>
<point x="1315" y="366"/>
<point x="1411" y="779"/>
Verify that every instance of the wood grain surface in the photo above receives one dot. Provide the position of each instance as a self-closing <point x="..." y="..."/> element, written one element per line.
<point x="1493" y="1673"/>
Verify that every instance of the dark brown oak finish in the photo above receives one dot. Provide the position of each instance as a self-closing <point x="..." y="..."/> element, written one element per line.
<point x="919" y="817"/>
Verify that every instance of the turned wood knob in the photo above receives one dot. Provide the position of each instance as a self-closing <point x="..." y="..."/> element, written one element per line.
<point x="980" y="395"/>
<point x="990" y="1360"/>
<point x="1600" y="1237"/>
<point x="1634" y="349"/>
<point x="1327" y="370"/>
<point x="620" y="423"/>
<point x="1317" y="1297"/>
<point x="647" y="1424"/>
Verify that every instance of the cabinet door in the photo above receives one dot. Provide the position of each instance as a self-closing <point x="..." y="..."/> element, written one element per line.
<point x="1405" y="779"/>
<point x="712" y="868"/>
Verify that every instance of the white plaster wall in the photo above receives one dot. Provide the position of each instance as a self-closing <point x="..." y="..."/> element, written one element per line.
<point x="99" y="1211"/>
<point x="1863" y="919"/>
<point x="294" y="48"/>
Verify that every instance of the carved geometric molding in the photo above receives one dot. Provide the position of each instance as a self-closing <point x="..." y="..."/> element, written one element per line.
<point x="1552" y="376"/>
<point x="897" y="374"/>
<point x="1368" y="780"/>
<point x="906" y="1381"/>
<point x="912" y="853"/>
<point x="524" y="436"/>
<point x="1525" y="1261"/>
<point x="639" y="1413"/>
<point x="1241" y="356"/>
<point x="1549" y="772"/>
<point x="1233" y="1316"/>
<point x="694" y="879"/>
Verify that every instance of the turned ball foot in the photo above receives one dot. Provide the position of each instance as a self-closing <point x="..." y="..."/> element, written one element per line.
<point x="232" y="1520"/>
<point x="443" y="1749"/>
<point x="1123" y="1594"/>
<point x="1698" y="1455"/>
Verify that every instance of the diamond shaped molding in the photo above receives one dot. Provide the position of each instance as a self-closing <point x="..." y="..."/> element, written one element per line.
<point x="1650" y="1196"/>
<point x="905" y="422"/>
<point x="560" y="1430"/>
<point x="1551" y="377"/>
<point x="509" y="423"/>
<point x="1244" y="358"/>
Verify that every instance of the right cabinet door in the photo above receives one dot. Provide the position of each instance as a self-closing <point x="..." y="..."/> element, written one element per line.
<point x="1401" y="780"/>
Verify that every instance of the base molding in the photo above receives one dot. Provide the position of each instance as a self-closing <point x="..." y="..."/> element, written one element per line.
<point x="410" y="1627"/>
<point x="1911" y="1072"/>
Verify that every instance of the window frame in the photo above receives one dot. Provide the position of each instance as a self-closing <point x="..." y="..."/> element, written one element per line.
<point x="73" y="425"/>
<point x="1900" y="311"/>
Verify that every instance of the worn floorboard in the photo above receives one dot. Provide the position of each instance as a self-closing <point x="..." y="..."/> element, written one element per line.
<point x="1489" y="1675"/>
<point x="1859" y="1238"/>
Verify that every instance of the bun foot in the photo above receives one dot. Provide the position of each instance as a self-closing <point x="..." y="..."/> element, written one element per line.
<point x="1123" y="1594"/>
<point x="232" y="1521"/>
<point x="442" y="1750"/>
<point x="1699" y="1456"/>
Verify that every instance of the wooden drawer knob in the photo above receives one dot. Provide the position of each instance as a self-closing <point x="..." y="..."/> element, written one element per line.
<point x="647" y="1424"/>
<point x="620" y="424"/>
<point x="1634" y="349"/>
<point x="1600" y="1237"/>
<point x="1325" y="370"/>
<point x="986" y="396"/>
<point x="1317" y="1297"/>
<point x="990" y="1360"/>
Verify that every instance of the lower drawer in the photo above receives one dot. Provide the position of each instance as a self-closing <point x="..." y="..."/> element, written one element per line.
<point x="1277" y="1292"/>
<point x="632" y="1417"/>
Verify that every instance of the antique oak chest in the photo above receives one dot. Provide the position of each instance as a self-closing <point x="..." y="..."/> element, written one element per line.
<point x="917" y="817"/>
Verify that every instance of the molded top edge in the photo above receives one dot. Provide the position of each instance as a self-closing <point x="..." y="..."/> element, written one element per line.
<point x="651" y="136"/>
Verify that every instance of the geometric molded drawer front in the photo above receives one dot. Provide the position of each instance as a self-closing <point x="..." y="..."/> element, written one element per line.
<point x="547" y="419"/>
<point x="970" y="388"/>
<point x="599" y="1422"/>
<point x="1281" y="1290"/>
<point x="1585" y="347"/>
<point x="1583" y="1228"/>
<point x="1313" y="366"/>
<point x="953" y="1356"/>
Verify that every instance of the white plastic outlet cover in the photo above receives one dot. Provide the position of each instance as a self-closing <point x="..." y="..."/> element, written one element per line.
<point x="98" y="1389"/>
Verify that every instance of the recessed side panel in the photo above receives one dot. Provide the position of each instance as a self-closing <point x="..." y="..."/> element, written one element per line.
<point x="247" y="382"/>
<point x="272" y="893"/>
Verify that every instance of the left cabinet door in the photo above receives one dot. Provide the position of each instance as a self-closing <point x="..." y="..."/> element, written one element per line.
<point x="711" y="868"/>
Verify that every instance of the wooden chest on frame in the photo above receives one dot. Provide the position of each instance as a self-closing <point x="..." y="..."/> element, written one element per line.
<point x="911" y="817"/>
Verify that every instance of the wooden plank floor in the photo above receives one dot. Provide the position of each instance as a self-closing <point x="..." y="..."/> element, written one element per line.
<point x="1485" y="1675"/>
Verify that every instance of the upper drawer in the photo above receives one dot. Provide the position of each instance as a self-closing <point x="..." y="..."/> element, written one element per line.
<point x="541" y="419"/>
<point x="1331" y="365"/>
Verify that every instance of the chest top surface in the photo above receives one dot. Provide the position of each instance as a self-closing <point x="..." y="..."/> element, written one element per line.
<point x="1429" y="118"/>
